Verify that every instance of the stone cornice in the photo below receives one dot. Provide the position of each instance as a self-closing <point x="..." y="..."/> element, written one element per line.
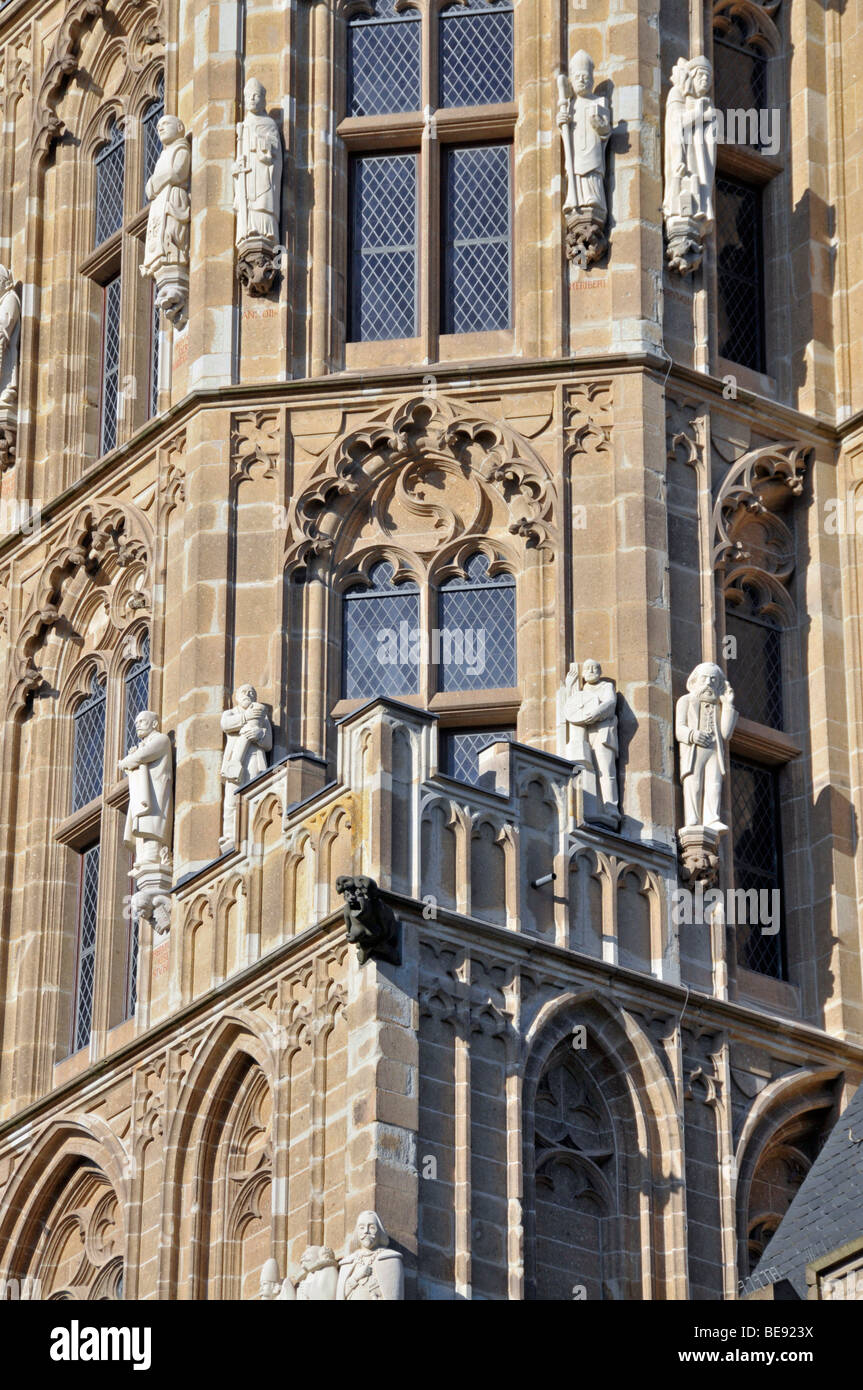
<point x="355" y="387"/>
<point x="799" y="1043"/>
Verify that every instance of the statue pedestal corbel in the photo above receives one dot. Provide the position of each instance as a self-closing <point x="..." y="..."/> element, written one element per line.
<point x="699" y="855"/>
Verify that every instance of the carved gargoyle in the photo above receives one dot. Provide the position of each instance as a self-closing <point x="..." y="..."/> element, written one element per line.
<point x="372" y="925"/>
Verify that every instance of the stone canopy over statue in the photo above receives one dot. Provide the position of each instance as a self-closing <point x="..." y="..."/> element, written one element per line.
<point x="166" y="250"/>
<point x="584" y="122"/>
<point x="690" y="162"/>
<point x="257" y="192"/>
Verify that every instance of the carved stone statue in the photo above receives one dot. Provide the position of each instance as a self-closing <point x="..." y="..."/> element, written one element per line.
<point x="318" y="1280"/>
<point x="704" y="719"/>
<point x="584" y="121"/>
<point x="371" y="923"/>
<point x="257" y="192"/>
<point x="591" y="710"/>
<point x="372" y="1272"/>
<point x="150" y="819"/>
<point x="690" y="162"/>
<point x="10" y="331"/>
<point x="271" y="1282"/>
<point x="249" y="740"/>
<point x="166" y="251"/>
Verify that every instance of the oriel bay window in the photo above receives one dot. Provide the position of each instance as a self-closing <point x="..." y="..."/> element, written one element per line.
<point x="449" y="646"/>
<point x="429" y="126"/>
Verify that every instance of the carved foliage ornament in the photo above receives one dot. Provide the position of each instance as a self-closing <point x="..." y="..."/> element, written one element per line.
<point x="425" y="468"/>
<point x="759" y="482"/>
<point x="108" y="541"/>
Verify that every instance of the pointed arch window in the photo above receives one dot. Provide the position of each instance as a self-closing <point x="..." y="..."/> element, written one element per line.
<point x="476" y="618"/>
<point x="127" y="346"/>
<point x="381" y="636"/>
<point x="757" y="667"/>
<point x="89" y="745"/>
<point x="152" y="144"/>
<point x="137" y="690"/>
<point x="110" y="181"/>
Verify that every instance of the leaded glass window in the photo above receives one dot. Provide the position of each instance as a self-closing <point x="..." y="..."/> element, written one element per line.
<point x="740" y="272"/>
<point x="137" y="683"/>
<point x="111" y="296"/>
<point x="132" y="963"/>
<point x="476" y="618"/>
<point x="88" y="746"/>
<point x="476" y="210"/>
<point x="476" y="53"/>
<point x="461" y="750"/>
<point x="381" y="639"/>
<point x="384" y="60"/>
<point x="152" y="144"/>
<point x="88" y="894"/>
<point x="740" y="68"/>
<point x="384" y="250"/>
<point x="756" y="670"/>
<point x="757" y="863"/>
<point x="110" y="170"/>
<point x="154" y="358"/>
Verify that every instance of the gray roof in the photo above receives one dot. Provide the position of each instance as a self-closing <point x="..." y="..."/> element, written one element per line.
<point x="827" y="1211"/>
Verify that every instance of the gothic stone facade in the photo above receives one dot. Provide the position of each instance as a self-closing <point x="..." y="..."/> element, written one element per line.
<point x="560" y="1086"/>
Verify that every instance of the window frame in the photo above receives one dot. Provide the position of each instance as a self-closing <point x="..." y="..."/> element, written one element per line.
<point x="486" y="709"/>
<point x="768" y="177"/>
<point x="121" y="255"/>
<point x="425" y="135"/>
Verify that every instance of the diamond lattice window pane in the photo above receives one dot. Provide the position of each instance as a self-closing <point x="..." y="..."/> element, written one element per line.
<point x="88" y="747"/>
<point x="380" y="640"/>
<point x="757" y="861"/>
<point x="88" y="901"/>
<point x="476" y="54"/>
<point x="385" y="61"/>
<point x="111" y="296"/>
<point x="137" y="692"/>
<point x="476" y="286"/>
<point x="461" y="749"/>
<point x="150" y="137"/>
<point x="110" y="167"/>
<point x="740" y="273"/>
<point x="476" y="618"/>
<point x="132" y="975"/>
<point x="756" y="671"/>
<point x="384" y="251"/>
<point x="154" y="358"/>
